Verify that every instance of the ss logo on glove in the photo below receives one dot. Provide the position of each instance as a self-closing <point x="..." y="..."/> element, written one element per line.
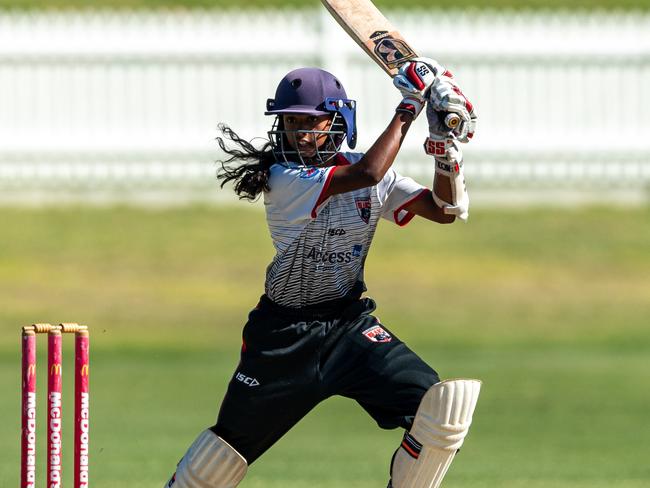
<point x="436" y="147"/>
<point x="422" y="70"/>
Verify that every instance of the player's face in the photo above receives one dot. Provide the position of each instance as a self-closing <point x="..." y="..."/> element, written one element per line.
<point x="306" y="142"/>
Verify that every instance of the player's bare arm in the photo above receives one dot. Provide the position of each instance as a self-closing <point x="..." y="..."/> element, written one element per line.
<point x="426" y="207"/>
<point x="376" y="161"/>
<point x="419" y="81"/>
<point x="414" y="81"/>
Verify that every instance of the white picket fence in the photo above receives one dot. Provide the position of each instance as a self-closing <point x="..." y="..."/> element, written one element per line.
<point x="121" y="105"/>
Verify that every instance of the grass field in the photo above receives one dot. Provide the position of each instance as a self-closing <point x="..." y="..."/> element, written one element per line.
<point x="549" y="308"/>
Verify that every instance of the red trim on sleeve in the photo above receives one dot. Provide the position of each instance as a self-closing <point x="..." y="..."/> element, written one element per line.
<point x="341" y="160"/>
<point x="321" y="198"/>
<point x="409" y="215"/>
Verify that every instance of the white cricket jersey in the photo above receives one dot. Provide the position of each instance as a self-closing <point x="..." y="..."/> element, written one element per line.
<point x="321" y="245"/>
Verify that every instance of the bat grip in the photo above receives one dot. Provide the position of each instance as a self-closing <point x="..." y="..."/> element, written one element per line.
<point x="452" y="120"/>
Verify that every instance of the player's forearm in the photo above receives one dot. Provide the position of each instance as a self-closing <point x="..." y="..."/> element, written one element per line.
<point x="425" y="206"/>
<point x="449" y="191"/>
<point x="372" y="167"/>
<point x="381" y="155"/>
<point x="442" y="188"/>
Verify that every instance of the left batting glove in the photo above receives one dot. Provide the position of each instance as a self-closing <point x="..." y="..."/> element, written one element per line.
<point x="413" y="80"/>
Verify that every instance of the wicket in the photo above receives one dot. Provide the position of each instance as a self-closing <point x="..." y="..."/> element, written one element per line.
<point x="54" y="404"/>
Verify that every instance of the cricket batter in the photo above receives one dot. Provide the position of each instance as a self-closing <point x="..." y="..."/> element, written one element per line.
<point x="313" y="335"/>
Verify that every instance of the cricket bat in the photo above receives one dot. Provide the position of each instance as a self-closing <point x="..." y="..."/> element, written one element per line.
<point x="364" y="23"/>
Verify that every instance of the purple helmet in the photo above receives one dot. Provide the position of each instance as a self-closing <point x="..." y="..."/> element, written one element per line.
<point x="313" y="91"/>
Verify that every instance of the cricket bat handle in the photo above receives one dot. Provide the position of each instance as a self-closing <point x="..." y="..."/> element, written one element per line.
<point x="452" y="120"/>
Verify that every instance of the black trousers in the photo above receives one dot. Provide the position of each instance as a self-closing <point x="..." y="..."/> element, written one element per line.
<point x="291" y="360"/>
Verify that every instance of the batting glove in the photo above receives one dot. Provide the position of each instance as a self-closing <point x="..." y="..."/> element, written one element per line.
<point x="446" y="98"/>
<point x="413" y="80"/>
<point x="448" y="157"/>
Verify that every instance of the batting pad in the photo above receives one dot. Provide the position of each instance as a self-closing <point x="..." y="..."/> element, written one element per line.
<point x="210" y="462"/>
<point x="441" y="424"/>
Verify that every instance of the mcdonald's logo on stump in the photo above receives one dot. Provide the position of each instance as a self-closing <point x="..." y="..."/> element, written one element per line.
<point x="54" y="396"/>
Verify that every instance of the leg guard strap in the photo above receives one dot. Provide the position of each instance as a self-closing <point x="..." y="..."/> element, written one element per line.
<point x="441" y="424"/>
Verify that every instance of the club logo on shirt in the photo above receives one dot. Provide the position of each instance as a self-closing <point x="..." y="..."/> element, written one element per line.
<point x="356" y="250"/>
<point x="377" y="334"/>
<point x="363" y="208"/>
<point x="310" y="173"/>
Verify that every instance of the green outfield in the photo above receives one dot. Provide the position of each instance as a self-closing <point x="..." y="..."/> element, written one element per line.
<point x="550" y="308"/>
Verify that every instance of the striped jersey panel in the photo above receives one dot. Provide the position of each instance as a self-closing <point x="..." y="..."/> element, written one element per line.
<point x="321" y="247"/>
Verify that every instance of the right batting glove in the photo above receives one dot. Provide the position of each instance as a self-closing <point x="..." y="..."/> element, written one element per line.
<point x="413" y="80"/>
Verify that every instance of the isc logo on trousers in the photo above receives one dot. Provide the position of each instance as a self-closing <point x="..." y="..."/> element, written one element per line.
<point x="247" y="380"/>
